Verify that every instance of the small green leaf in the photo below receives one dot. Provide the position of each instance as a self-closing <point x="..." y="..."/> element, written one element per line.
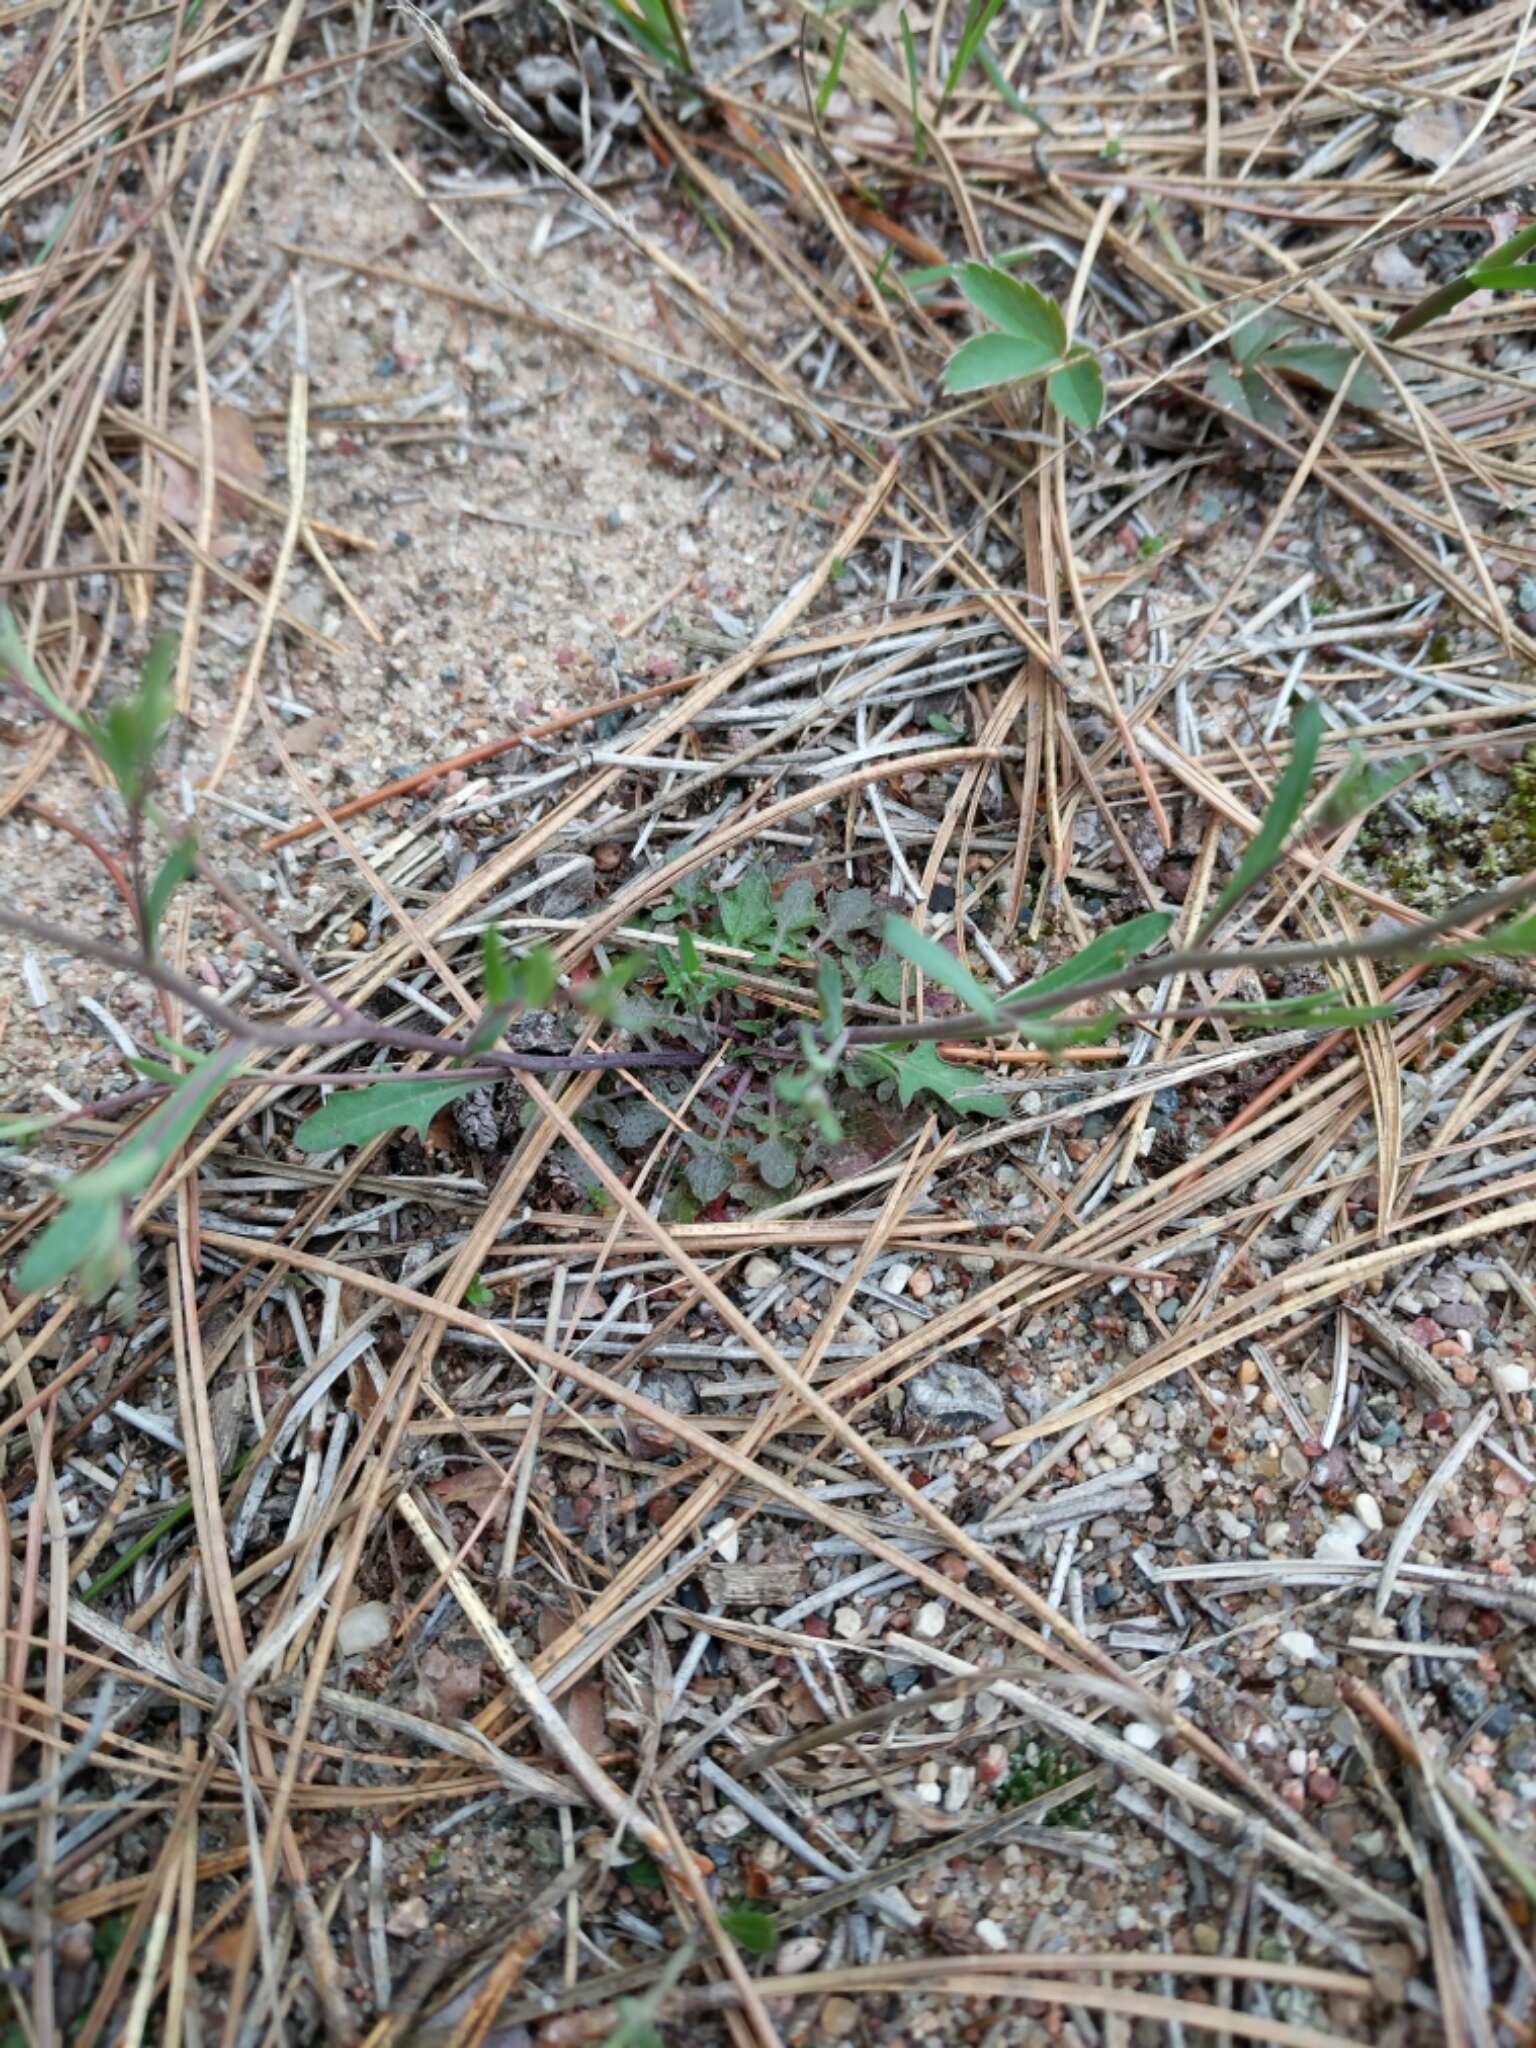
<point x="708" y="1172"/>
<point x="86" y="1239"/>
<point x="1361" y="787"/>
<point x="535" y="976"/>
<point x="987" y="360"/>
<point x="354" y="1115"/>
<point x="795" y="911"/>
<point x="1245" y="393"/>
<point x="478" y="1295"/>
<point x="178" y="864"/>
<point x="638" y="1121"/>
<point x="1284" y="809"/>
<point x="1327" y="364"/>
<point x="154" y="1070"/>
<point x="751" y="1929"/>
<point x="159" y="666"/>
<point x="500" y="989"/>
<point x="808" y="1093"/>
<point x="603" y="996"/>
<point x="1106" y="954"/>
<point x="131" y="1170"/>
<point x="526" y="981"/>
<point x="1015" y="306"/>
<point x="129" y="733"/>
<point x="775" y="1160"/>
<point x="1054" y="1037"/>
<point x="1447" y="297"/>
<point x="746" y="912"/>
<point x="940" y="965"/>
<point x="1518" y="937"/>
<point x="1077" y="390"/>
<point x="1263" y="330"/>
<point x="14" y="656"/>
<point x="922" y="1069"/>
<point x="849" y="910"/>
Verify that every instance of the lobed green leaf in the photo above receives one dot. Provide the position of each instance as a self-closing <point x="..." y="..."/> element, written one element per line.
<point x="354" y="1115"/>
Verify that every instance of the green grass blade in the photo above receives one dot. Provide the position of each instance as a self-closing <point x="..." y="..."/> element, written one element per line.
<point x="1284" y="809"/>
<point x="978" y="20"/>
<point x="1434" y="306"/>
<point x="1011" y="100"/>
<point x="835" y="71"/>
<point x="909" y="55"/>
<point x="1507" y="277"/>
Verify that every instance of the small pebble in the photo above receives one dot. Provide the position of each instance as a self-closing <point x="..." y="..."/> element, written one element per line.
<point x="363" y="1628"/>
<point x="991" y="1936"/>
<point x="1369" y="1512"/>
<point x="848" y="1623"/>
<point x="800" y="1953"/>
<point x="1340" y="1541"/>
<point x="839" y="2017"/>
<point x="930" y="1620"/>
<point x="1296" y="1644"/>
<point x="761" y="1274"/>
<point x="894" y="1279"/>
<point x="1142" y="1735"/>
<point x="1511" y="1378"/>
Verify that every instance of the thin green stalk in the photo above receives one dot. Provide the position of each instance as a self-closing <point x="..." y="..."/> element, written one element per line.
<point x="142" y="1545"/>
<point x="1400" y="943"/>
